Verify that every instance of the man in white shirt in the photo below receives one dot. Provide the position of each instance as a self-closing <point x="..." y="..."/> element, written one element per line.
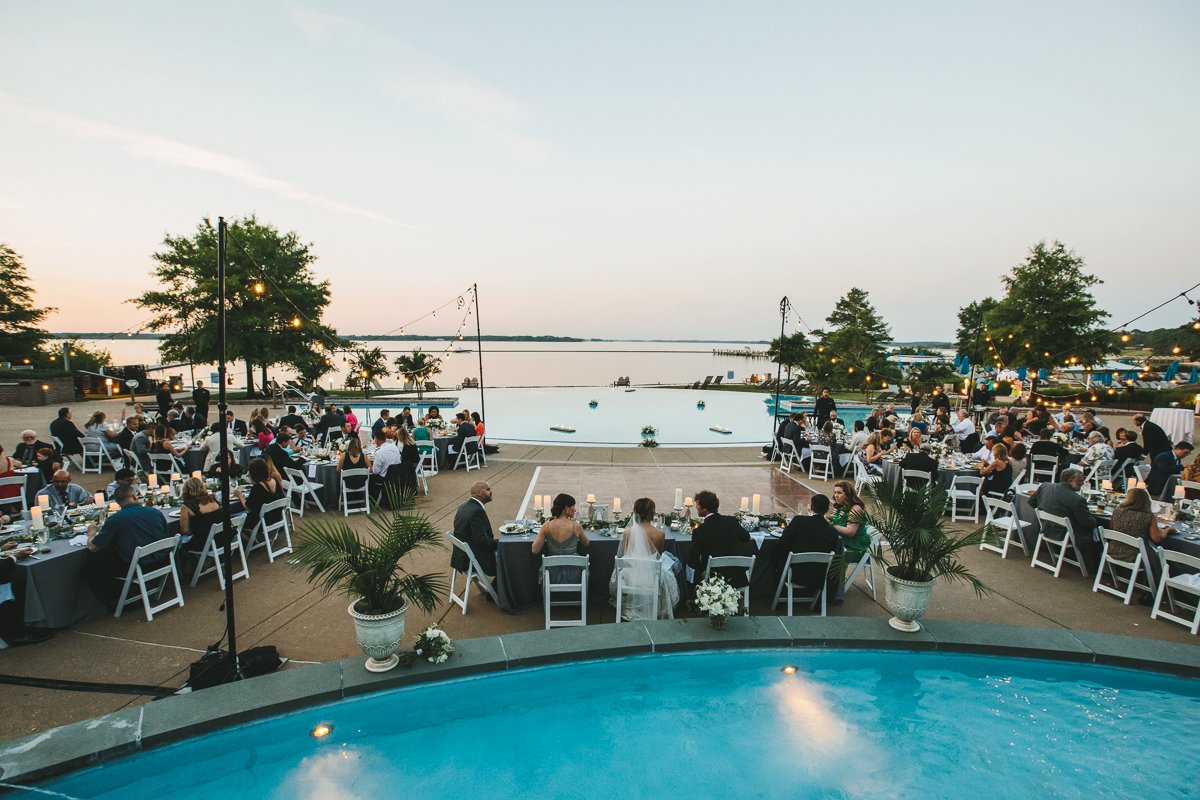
<point x="212" y="445"/>
<point x="963" y="426"/>
<point x="985" y="452"/>
<point x="386" y="455"/>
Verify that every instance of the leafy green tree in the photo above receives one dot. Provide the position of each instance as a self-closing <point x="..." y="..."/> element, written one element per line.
<point x="971" y="319"/>
<point x="373" y="362"/>
<point x="80" y="356"/>
<point x="312" y="366"/>
<point x="20" y="336"/>
<point x="1048" y="307"/>
<point x="418" y="368"/>
<point x="1163" y="341"/>
<point x="858" y="338"/>
<point x="274" y="302"/>
<point x="791" y="353"/>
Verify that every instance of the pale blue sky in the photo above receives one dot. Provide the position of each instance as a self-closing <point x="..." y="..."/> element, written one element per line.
<point x="609" y="169"/>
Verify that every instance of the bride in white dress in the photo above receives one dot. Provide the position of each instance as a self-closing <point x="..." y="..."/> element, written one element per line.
<point x="647" y="568"/>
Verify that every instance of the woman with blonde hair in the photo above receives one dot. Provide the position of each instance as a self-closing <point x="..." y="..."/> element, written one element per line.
<point x="198" y="511"/>
<point x="997" y="474"/>
<point x="871" y="454"/>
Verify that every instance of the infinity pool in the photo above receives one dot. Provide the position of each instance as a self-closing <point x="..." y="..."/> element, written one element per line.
<point x="862" y="724"/>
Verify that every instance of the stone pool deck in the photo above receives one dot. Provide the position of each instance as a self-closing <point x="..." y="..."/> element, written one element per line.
<point x="276" y="606"/>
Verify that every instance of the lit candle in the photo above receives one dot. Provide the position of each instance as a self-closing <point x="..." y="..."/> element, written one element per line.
<point x="1179" y="495"/>
<point x="197" y="474"/>
<point x="1106" y="485"/>
<point x="175" y="476"/>
<point x="679" y="498"/>
<point x="164" y="490"/>
<point x="591" y="498"/>
<point x="98" y="498"/>
<point x="756" y="504"/>
<point x="35" y="518"/>
<point x="687" y="502"/>
<point x="616" y="505"/>
<point x="113" y="507"/>
<point x="745" y="504"/>
<point x="537" y="502"/>
<point x="44" y="502"/>
<point x="153" y="481"/>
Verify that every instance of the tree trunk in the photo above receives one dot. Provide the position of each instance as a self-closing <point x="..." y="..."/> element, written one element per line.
<point x="263" y="382"/>
<point x="249" y="379"/>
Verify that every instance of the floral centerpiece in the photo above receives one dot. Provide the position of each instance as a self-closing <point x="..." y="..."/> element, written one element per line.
<point x="941" y="450"/>
<point x="1061" y="438"/>
<point x="716" y="598"/>
<point x="437" y="423"/>
<point x="839" y="429"/>
<point x="434" y="645"/>
<point x="649" y="430"/>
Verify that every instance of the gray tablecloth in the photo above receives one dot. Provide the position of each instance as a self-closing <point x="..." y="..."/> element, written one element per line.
<point x="945" y="476"/>
<point x="193" y="458"/>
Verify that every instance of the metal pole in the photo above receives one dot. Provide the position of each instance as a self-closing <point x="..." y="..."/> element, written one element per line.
<point x="783" y="307"/>
<point x="971" y="377"/>
<point x="479" y="349"/>
<point x="66" y="348"/>
<point x="223" y="454"/>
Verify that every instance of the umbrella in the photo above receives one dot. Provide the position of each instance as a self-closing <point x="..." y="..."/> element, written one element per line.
<point x="1172" y="371"/>
<point x="1022" y="373"/>
<point x="957" y="359"/>
<point x="964" y="366"/>
<point x="1195" y="378"/>
<point x="1132" y="375"/>
<point x="1043" y="374"/>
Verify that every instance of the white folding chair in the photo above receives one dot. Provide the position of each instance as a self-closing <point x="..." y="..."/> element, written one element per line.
<point x="1056" y="548"/>
<point x="921" y="477"/>
<point x="865" y="565"/>
<point x="469" y="454"/>
<point x="300" y="486"/>
<point x="138" y="575"/>
<point x="863" y="476"/>
<point x="578" y="588"/>
<point x="422" y="478"/>
<point x="736" y="562"/>
<point x="134" y="463"/>
<point x="346" y="501"/>
<point x="18" y="500"/>
<point x="67" y="461"/>
<point x="475" y="575"/>
<point x="786" y="582"/>
<point x="965" y="490"/>
<point x="266" y="531"/>
<point x="623" y="567"/>
<point x="1169" y="584"/>
<point x="1002" y="515"/>
<point x="211" y="550"/>
<point x="94" y="455"/>
<point x="788" y="456"/>
<point x="1101" y="471"/>
<point x="821" y="465"/>
<point x="1042" y="469"/>
<point x="428" y="463"/>
<point x="164" y="466"/>
<point x="1110" y="565"/>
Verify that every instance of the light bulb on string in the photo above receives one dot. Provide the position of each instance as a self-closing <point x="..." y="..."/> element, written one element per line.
<point x="1176" y="349"/>
<point x="295" y="322"/>
<point x="259" y="288"/>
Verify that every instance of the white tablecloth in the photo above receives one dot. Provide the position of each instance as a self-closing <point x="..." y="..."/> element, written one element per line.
<point x="1179" y="423"/>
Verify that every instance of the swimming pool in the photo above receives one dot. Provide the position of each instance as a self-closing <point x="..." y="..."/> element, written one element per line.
<point x="710" y="724"/>
<point x="526" y="415"/>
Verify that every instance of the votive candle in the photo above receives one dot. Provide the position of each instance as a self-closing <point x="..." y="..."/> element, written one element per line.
<point x="164" y="489"/>
<point x="687" y="502"/>
<point x="152" y="480"/>
<point x="591" y="498"/>
<point x="98" y="498"/>
<point x="678" y="498"/>
<point x="1106" y="485"/>
<point x="43" y="502"/>
<point x="616" y="505"/>
<point x="197" y="474"/>
<point x="175" y="476"/>
<point x="35" y="518"/>
<point x="745" y="504"/>
<point x="113" y="507"/>
<point x="1179" y="494"/>
<point x="756" y="504"/>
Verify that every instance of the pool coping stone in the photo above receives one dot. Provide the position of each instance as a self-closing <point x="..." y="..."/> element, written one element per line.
<point x="80" y="744"/>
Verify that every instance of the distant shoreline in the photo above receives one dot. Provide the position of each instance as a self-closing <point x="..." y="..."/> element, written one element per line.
<point x="101" y="335"/>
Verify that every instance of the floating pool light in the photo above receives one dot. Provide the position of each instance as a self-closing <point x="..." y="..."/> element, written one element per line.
<point x="321" y="731"/>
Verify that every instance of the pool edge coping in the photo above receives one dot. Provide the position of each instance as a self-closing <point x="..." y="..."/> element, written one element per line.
<point x="51" y="753"/>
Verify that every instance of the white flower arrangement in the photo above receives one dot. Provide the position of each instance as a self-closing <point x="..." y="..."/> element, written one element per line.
<point x="437" y="423"/>
<point x="716" y="598"/>
<point x="1061" y="438"/>
<point x="434" y="644"/>
<point x="839" y="429"/>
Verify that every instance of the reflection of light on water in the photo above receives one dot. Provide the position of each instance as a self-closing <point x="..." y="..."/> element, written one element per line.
<point x="347" y="773"/>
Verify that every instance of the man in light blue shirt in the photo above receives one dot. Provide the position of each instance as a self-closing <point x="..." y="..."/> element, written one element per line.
<point x="62" y="492"/>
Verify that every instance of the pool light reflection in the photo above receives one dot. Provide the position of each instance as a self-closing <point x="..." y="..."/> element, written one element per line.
<point x="789" y="670"/>
<point x="321" y="731"/>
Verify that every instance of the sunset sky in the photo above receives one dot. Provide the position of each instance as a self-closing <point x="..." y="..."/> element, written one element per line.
<point x="609" y="169"/>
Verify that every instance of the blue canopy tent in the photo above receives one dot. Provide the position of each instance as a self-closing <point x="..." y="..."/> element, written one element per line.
<point x="1132" y="375"/>
<point x="964" y="366"/>
<point x="1105" y="378"/>
<point x="958" y="357"/>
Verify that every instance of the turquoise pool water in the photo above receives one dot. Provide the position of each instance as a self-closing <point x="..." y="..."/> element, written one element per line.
<point x="860" y="724"/>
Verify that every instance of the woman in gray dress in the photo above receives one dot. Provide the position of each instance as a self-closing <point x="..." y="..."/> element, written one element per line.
<point x="561" y="536"/>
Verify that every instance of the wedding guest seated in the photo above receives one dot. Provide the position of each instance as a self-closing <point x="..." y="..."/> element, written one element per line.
<point x="649" y="567"/>
<point x="262" y="434"/>
<point x="562" y="535"/>
<point x="387" y="454"/>
<point x="381" y="423"/>
<point x="47" y="462"/>
<point x="63" y="493"/>
<point x="197" y="513"/>
<point x="301" y="435"/>
<point x="125" y="437"/>
<point x="410" y="457"/>
<point x="477" y="421"/>
<point x="112" y="547"/>
<point x="809" y="534"/>
<point x="917" y="422"/>
<point x="28" y="447"/>
<point x="235" y="469"/>
<point x="1018" y="456"/>
<point x="349" y="418"/>
<point x="474" y="529"/>
<point x="236" y="427"/>
<point x="919" y="459"/>
<point x="163" y="442"/>
<point x="280" y="453"/>
<point x="984" y="453"/>
<point x="98" y="428"/>
<point x="860" y="436"/>
<point x="291" y="419"/>
<point x="465" y="430"/>
<point x="331" y="422"/>
<point x="871" y="454"/>
<point x="406" y="418"/>
<point x="124" y="477"/>
<point x="913" y="441"/>
<point x="964" y="431"/>
<point x="1044" y="446"/>
<point x="1127" y="448"/>
<point x="212" y="445"/>
<point x="193" y="420"/>
<point x="1097" y="451"/>
<point x="717" y="535"/>
<point x="1063" y="499"/>
<point x="1135" y="516"/>
<point x="66" y="432"/>
<point x="997" y="473"/>
<point x="264" y="488"/>
<point x="434" y="413"/>
<point x="1165" y="466"/>
<point x="780" y="435"/>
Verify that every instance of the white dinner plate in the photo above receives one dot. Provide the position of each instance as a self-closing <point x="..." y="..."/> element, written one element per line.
<point x="174" y="514"/>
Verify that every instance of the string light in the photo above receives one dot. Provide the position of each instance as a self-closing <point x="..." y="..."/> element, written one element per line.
<point x="295" y="322"/>
<point x="259" y="288"/>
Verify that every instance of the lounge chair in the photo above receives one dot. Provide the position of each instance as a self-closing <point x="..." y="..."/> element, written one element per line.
<point x="291" y="389"/>
<point x="696" y="385"/>
<point x="717" y="380"/>
<point x="707" y="381"/>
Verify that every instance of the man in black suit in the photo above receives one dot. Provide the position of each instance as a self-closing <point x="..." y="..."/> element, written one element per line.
<point x="378" y="425"/>
<point x="465" y="430"/>
<point x="1164" y="466"/>
<point x="473" y="528"/>
<point x="920" y="460"/>
<point x="331" y="420"/>
<point x="812" y="534"/>
<point x="1045" y="447"/>
<point x="825" y="405"/>
<point x="718" y="535"/>
<point x="236" y="427"/>
<point x="277" y="451"/>
<point x="164" y="399"/>
<point x="69" y="434"/>
<point x="27" y="448"/>
<point x="290" y="419"/>
<point x="201" y="398"/>
<point x="1154" y="438"/>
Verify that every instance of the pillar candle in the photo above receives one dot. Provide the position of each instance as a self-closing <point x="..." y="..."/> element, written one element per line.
<point x="152" y="480"/>
<point x="745" y="504"/>
<point x="164" y="490"/>
<point x="1179" y="494"/>
<point x="687" y="502"/>
<point x="113" y="507"/>
<point x="1106" y="485"/>
<point x="678" y="498"/>
<point x="35" y="518"/>
<point x="98" y="498"/>
<point x="591" y="498"/>
<point x="756" y="505"/>
<point x="43" y="502"/>
<point x="616" y="505"/>
<point x="175" y="476"/>
<point x="537" y="502"/>
<point x="197" y="474"/>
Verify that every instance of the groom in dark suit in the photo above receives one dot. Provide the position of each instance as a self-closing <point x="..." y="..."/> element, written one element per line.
<point x="718" y="535"/>
<point x="472" y="527"/>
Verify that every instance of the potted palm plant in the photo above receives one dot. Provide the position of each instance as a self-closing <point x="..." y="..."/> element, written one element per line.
<point x="369" y="568"/>
<point x="920" y="550"/>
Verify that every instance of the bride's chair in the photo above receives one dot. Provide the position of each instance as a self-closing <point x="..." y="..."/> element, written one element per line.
<point x="627" y="587"/>
<point x="579" y="588"/>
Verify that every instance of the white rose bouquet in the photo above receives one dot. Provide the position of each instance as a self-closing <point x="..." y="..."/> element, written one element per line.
<point x="717" y="599"/>
<point x="1061" y="438"/>
<point x="434" y="645"/>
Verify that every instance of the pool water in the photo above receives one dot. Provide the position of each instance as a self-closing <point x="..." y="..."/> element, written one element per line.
<point x="718" y="724"/>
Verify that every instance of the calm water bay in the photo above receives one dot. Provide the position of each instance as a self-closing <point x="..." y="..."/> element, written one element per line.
<point x="514" y="363"/>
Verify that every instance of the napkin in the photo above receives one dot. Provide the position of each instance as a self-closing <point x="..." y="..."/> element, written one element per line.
<point x="312" y="470"/>
<point x="79" y="541"/>
<point x="758" y="537"/>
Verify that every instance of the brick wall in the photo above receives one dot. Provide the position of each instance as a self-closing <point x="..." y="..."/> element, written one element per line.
<point x="29" y="391"/>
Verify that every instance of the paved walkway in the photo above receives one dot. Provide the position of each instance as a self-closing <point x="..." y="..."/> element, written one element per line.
<point x="276" y="606"/>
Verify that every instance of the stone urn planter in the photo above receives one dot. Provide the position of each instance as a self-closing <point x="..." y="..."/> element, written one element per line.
<point x="907" y="600"/>
<point x="379" y="636"/>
